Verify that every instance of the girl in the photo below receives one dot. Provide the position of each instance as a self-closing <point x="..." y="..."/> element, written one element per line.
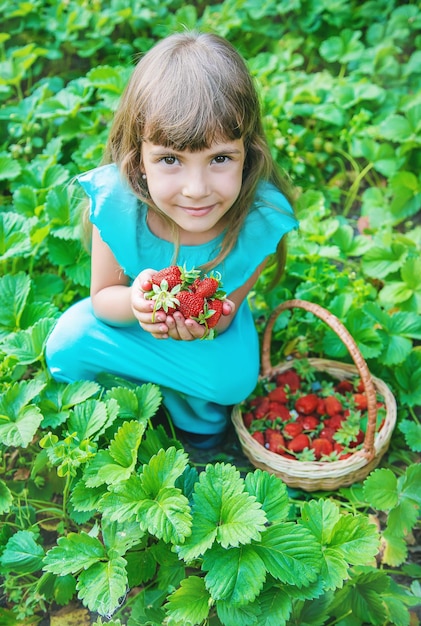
<point x="189" y="179"/>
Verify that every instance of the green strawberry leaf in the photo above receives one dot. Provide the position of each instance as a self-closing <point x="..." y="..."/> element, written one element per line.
<point x="235" y="575"/>
<point x="412" y="432"/>
<point x="407" y="376"/>
<point x="119" y="537"/>
<point x="356" y="539"/>
<point x="381" y="489"/>
<point x="14" y="292"/>
<point x="6" y="498"/>
<point x="76" y="551"/>
<point x="232" y="615"/>
<point x="14" y="236"/>
<point x="395" y="549"/>
<point x="362" y="596"/>
<point x="379" y="261"/>
<point x="222" y="511"/>
<point x="167" y="516"/>
<point x="271" y="492"/>
<point x="102" y="585"/>
<point x="91" y="418"/>
<point x="275" y="605"/>
<point x="163" y="470"/>
<point x="86" y="499"/>
<point x="320" y="517"/>
<point x="123" y="501"/>
<point x="290" y="553"/>
<point x="28" y="345"/>
<point x="19" y="420"/>
<point x="189" y="604"/>
<point x="22" y="554"/>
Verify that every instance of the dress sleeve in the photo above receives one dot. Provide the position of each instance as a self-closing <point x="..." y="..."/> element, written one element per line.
<point x="114" y="211"/>
<point x="269" y="219"/>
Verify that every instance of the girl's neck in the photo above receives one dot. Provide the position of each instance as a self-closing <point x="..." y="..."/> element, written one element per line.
<point x="160" y="228"/>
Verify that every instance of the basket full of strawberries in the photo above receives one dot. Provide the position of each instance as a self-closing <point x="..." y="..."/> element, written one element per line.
<point x="315" y="423"/>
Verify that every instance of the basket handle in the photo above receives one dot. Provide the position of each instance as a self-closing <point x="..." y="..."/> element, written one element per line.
<point x="343" y="334"/>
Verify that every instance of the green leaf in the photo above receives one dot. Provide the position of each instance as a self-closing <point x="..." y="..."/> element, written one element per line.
<point x="379" y="261"/>
<point x="189" y="604"/>
<point x="86" y="499"/>
<point x="320" y="517"/>
<point x="407" y="376"/>
<point x="163" y="470"/>
<point x="395" y="549"/>
<point x="412" y="432"/>
<point x="222" y="511"/>
<point x="271" y="492"/>
<point x="123" y="500"/>
<point x="356" y="538"/>
<point x="103" y="585"/>
<point x="381" y="489"/>
<point x="6" y="498"/>
<point x="235" y="575"/>
<point x="22" y="554"/>
<point x="19" y="420"/>
<point x="90" y="419"/>
<point x="14" y="235"/>
<point x="14" y="291"/>
<point x="362" y="597"/>
<point x="232" y="615"/>
<point x="290" y="553"/>
<point x="9" y="168"/>
<point x="28" y="345"/>
<point x="73" y="553"/>
<point x="167" y="516"/>
<point x="275" y="604"/>
<point x="119" y="537"/>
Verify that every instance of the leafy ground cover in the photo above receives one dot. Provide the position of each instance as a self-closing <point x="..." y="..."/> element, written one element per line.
<point x="99" y="503"/>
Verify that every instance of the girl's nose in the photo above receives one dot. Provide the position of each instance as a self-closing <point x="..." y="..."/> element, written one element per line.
<point x="195" y="185"/>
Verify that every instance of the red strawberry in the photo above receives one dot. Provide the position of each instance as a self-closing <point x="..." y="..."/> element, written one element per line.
<point x="308" y="422"/>
<point x="306" y="404"/>
<point x="274" y="441"/>
<point x="261" y="407"/>
<point x="216" y="306"/>
<point x="321" y="409"/>
<point x="190" y="304"/>
<point x="359" y="439"/>
<point x="276" y="409"/>
<point x="321" y="447"/>
<point x="290" y="378"/>
<point x="344" y="386"/>
<point x="259" y="437"/>
<point x="333" y="406"/>
<point x="278" y="395"/>
<point x="339" y="449"/>
<point x="171" y="274"/>
<point x="206" y="286"/>
<point x="247" y="419"/>
<point x="360" y="400"/>
<point x="299" y="443"/>
<point x="335" y="421"/>
<point x="327" y="433"/>
<point x="292" y="429"/>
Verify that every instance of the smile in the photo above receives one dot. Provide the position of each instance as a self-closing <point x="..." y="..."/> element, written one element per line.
<point x="198" y="211"/>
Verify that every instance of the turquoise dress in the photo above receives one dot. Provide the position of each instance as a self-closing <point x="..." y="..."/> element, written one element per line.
<point x="199" y="379"/>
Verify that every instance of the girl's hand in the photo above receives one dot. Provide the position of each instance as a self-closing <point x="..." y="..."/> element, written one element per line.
<point x="143" y="309"/>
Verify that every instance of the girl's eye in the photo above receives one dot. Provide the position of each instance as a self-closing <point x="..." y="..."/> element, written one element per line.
<point x="221" y="158"/>
<point x="169" y="160"/>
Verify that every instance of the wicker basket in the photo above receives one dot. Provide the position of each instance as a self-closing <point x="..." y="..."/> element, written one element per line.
<point x="319" y="475"/>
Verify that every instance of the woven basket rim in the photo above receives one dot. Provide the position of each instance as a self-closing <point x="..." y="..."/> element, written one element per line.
<point x="323" y="475"/>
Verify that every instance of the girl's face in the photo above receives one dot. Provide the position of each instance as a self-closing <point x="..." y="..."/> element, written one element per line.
<point x="195" y="189"/>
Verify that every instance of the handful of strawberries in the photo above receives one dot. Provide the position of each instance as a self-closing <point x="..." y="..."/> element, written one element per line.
<point x="195" y="294"/>
<point x="304" y="415"/>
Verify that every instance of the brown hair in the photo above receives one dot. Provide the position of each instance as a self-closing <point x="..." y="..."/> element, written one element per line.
<point x="189" y="90"/>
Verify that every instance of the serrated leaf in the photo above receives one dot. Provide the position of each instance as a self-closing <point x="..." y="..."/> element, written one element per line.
<point x="64" y="589"/>
<point x="9" y="167"/>
<point x="356" y="539"/>
<point x="86" y="499"/>
<point x="6" y="498"/>
<point x="412" y="432"/>
<point x="290" y="553"/>
<point x="189" y="604"/>
<point x="222" y="511"/>
<point x="379" y="261"/>
<point x="381" y="489"/>
<point x="231" y="615"/>
<point x="235" y="575"/>
<point x="403" y="517"/>
<point x="334" y="569"/>
<point x="124" y="500"/>
<point x="14" y="292"/>
<point x="102" y="469"/>
<point x="395" y="549"/>
<point x="123" y="448"/>
<point x="88" y="420"/>
<point x="103" y="585"/>
<point x="22" y="554"/>
<point x="77" y="392"/>
<point x="408" y="375"/>
<point x="20" y="432"/>
<point x="14" y="236"/>
<point x="362" y="597"/>
<point x="275" y="605"/>
<point x="73" y="553"/>
<point x="167" y="516"/>
<point x="320" y="517"/>
<point x="163" y="470"/>
<point x="120" y="536"/>
<point x="271" y="492"/>
<point x="28" y="345"/>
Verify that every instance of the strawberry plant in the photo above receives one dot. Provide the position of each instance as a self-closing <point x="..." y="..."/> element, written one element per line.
<point x="137" y="531"/>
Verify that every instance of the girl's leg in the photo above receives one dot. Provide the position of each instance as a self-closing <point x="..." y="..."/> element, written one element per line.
<point x="199" y="380"/>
